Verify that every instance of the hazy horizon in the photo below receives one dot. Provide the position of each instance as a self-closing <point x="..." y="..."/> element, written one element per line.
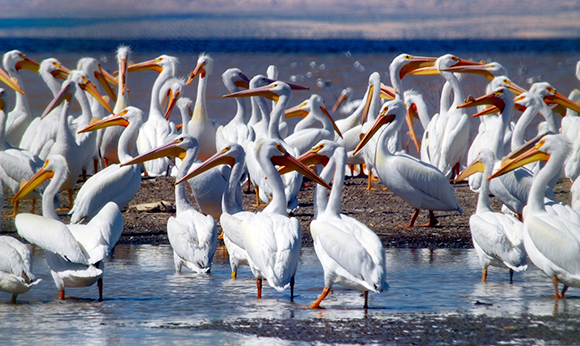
<point x="293" y="19"/>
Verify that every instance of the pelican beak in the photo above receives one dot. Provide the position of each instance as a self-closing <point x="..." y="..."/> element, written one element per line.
<point x="294" y="86"/>
<point x="368" y="102"/>
<point x="61" y="72"/>
<point x="561" y="100"/>
<point x="171" y="149"/>
<point x="518" y="90"/>
<point x="104" y="79"/>
<point x="92" y="89"/>
<point x="40" y="177"/>
<point x="527" y="153"/>
<point x="27" y="64"/>
<point x="285" y="159"/>
<point x="381" y="120"/>
<point x="244" y="82"/>
<point x="219" y="158"/>
<point x="338" y="102"/>
<point x="264" y="91"/>
<point x="475" y="167"/>
<point x="309" y="158"/>
<point x="296" y="111"/>
<point x="481" y="70"/>
<point x="11" y="82"/>
<point x="172" y="102"/>
<point x="199" y="70"/>
<point x="416" y="63"/>
<point x="433" y="70"/>
<point x="412" y="113"/>
<point x="64" y="94"/>
<point x="388" y="93"/>
<point x="146" y="65"/>
<point x="489" y="99"/>
<point x="115" y="120"/>
<point x="332" y="121"/>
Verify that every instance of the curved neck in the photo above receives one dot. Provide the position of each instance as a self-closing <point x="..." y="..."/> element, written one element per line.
<point x="456" y="86"/>
<point x="181" y="202"/>
<point x="483" y="204"/>
<point x="51" y="82"/>
<point x="541" y="180"/>
<point x="86" y="112"/>
<point x="229" y="202"/>
<point x="277" y="112"/>
<point x="522" y="124"/>
<point x="155" y="105"/>
<point x="256" y="114"/>
<point x="199" y="110"/>
<point x="445" y="97"/>
<point x="278" y="203"/>
<point x="127" y="141"/>
<point x="3" y="143"/>
<point x="48" y="208"/>
<point x="336" y="191"/>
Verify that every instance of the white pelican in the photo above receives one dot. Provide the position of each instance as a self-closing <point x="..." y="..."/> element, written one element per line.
<point x="233" y="213"/>
<point x="20" y="117"/>
<point x="418" y="183"/>
<point x="113" y="183"/>
<point x="271" y="238"/>
<point x="156" y="129"/>
<point x="281" y="92"/>
<point x="344" y="104"/>
<point x="201" y="126"/>
<point x="16" y="164"/>
<point x="74" y="253"/>
<point x="304" y="140"/>
<point x="15" y="267"/>
<point x="108" y="139"/>
<point x="497" y="238"/>
<point x="351" y="254"/>
<point x="551" y="235"/>
<point x="65" y="143"/>
<point x="41" y="133"/>
<point x="448" y="131"/>
<point x="192" y="235"/>
<point x="237" y="130"/>
<point x="260" y="117"/>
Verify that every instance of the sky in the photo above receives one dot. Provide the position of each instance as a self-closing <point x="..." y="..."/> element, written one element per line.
<point x="373" y="19"/>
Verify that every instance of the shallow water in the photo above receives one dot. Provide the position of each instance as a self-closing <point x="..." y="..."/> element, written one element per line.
<point x="146" y="301"/>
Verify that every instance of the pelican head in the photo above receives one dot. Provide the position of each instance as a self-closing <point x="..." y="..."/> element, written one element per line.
<point x="386" y="116"/>
<point x="228" y="155"/>
<point x="204" y="67"/>
<point x="313" y="104"/>
<point x="124" y="118"/>
<point x="54" y="165"/>
<point x="176" y="147"/>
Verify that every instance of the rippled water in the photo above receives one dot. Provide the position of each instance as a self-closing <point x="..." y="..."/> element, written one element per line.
<point x="144" y="300"/>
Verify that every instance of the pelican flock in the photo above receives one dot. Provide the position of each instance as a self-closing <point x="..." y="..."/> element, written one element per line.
<point x="118" y="145"/>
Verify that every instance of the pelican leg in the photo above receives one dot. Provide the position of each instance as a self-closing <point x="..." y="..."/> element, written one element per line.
<point x="106" y="163"/>
<point x="432" y="220"/>
<point x="259" y="284"/>
<point x="292" y="289"/>
<point x="221" y="236"/>
<point x="484" y="275"/>
<point x="370" y="179"/>
<point x="413" y="218"/>
<point x="33" y="205"/>
<point x="511" y="276"/>
<point x="70" y="198"/>
<point x="14" y="296"/>
<point x="100" y="286"/>
<point x="61" y="294"/>
<point x="316" y="304"/>
<point x="520" y="217"/>
<point x="564" y="291"/>
<point x="15" y="209"/>
<point x="84" y="175"/>
<point x="96" y="165"/>
<point x="362" y="171"/>
<point x="555" y="281"/>
<point x="234" y="275"/>
<point x="249" y="184"/>
<point x="366" y="300"/>
<point x="258" y="204"/>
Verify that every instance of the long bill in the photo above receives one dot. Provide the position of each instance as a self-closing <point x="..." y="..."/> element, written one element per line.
<point x="219" y="158"/>
<point x="11" y="82"/>
<point x="381" y="120"/>
<point x="488" y="99"/>
<point x="561" y="100"/>
<point x="105" y="78"/>
<point x="63" y="95"/>
<point x="146" y="66"/>
<point x="293" y="164"/>
<point x="528" y="153"/>
<point x="263" y="91"/>
<point x="172" y="102"/>
<point x="415" y="63"/>
<point x="40" y="177"/>
<point x="412" y="113"/>
<point x="92" y="89"/>
<point x="115" y="120"/>
<point x="170" y="149"/>
<point x="309" y="158"/>
<point x="475" y="167"/>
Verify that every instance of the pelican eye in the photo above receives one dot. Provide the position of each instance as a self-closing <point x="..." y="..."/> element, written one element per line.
<point x="519" y="98"/>
<point x="124" y="112"/>
<point x="408" y="57"/>
<point x="318" y="148"/>
<point x="385" y="111"/>
<point x="21" y="55"/>
<point x="85" y="79"/>
<point x="226" y="149"/>
<point x="279" y="147"/>
<point x="158" y="60"/>
<point x="550" y="90"/>
<point x="454" y="58"/>
<point x="179" y="140"/>
<point x="499" y="92"/>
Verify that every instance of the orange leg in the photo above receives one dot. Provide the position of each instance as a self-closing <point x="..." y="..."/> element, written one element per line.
<point x="316" y="304"/>
<point x="366" y="300"/>
<point x="15" y="209"/>
<point x="105" y="162"/>
<point x="61" y="294"/>
<point x="413" y="218"/>
<point x="258" y="204"/>
<point x="362" y="171"/>
<point x="33" y="205"/>
<point x="370" y="179"/>
<point x="483" y="274"/>
<point x="558" y="295"/>
<point x="564" y="291"/>
<point x="96" y="165"/>
<point x="100" y="286"/>
<point x="259" y="284"/>
<point x="432" y="220"/>
<point x="234" y="275"/>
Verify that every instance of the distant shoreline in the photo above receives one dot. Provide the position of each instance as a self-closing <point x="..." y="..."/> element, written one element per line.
<point x="243" y="45"/>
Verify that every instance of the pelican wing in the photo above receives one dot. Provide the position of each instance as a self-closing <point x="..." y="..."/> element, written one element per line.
<point x="51" y="235"/>
<point x="114" y="183"/>
<point x="193" y="237"/>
